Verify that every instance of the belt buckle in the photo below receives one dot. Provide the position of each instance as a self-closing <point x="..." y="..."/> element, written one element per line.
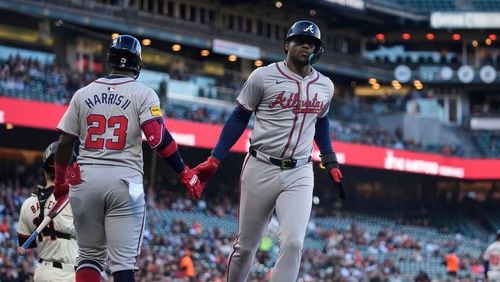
<point x="287" y="163"/>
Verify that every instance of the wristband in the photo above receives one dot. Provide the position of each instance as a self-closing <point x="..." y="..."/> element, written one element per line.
<point x="328" y="158"/>
<point x="60" y="172"/>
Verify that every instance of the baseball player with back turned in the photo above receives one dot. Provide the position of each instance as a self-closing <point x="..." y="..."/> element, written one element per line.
<point x="56" y="244"/>
<point x="290" y="100"/>
<point x="108" y="205"/>
<point x="492" y="260"/>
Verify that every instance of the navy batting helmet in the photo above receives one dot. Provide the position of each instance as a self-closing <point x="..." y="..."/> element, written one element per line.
<point x="124" y="53"/>
<point x="309" y="29"/>
<point x="48" y="158"/>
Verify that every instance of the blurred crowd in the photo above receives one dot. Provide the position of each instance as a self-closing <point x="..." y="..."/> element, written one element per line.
<point x="30" y="78"/>
<point x="351" y="253"/>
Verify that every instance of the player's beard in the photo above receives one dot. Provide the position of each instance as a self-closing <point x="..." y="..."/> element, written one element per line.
<point x="298" y="61"/>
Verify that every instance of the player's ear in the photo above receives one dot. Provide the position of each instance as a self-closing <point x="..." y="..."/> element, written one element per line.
<point x="287" y="45"/>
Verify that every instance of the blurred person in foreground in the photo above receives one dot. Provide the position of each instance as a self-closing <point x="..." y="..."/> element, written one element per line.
<point x="291" y="100"/>
<point x="56" y="244"/>
<point x="492" y="260"/>
<point x="107" y="117"/>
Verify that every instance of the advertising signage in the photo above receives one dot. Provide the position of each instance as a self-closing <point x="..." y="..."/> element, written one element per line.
<point x="194" y="134"/>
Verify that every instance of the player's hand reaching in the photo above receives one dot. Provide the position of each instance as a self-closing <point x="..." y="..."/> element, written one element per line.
<point x="66" y="176"/>
<point x="74" y="177"/>
<point x="329" y="161"/>
<point x="207" y="169"/>
<point x="192" y="183"/>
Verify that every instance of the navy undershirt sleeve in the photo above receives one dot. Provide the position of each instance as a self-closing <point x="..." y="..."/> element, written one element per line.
<point x="174" y="160"/>
<point x="233" y="128"/>
<point x="322" y="136"/>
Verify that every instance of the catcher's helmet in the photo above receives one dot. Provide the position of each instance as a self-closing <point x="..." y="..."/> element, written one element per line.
<point x="124" y="53"/>
<point x="48" y="158"/>
<point x="309" y="29"/>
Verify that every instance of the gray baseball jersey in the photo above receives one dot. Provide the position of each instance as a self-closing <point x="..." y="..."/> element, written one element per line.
<point x="51" y="247"/>
<point x="286" y="108"/>
<point x="106" y="115"/>
<point x="109" y="205"/>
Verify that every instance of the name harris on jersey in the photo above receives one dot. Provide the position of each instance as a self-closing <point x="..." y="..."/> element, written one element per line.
<point x="108" y="98"/>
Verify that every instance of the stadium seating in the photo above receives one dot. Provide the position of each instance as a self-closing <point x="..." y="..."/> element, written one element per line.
<point x="488" y="142"/>
<point x="418" y="6"/>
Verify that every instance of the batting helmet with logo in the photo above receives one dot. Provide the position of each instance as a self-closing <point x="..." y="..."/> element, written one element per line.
<point x="124" y="53"/>
<point x="309" y="29"/>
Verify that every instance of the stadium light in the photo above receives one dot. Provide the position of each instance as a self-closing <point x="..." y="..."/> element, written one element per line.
<point x="204" y="52"/>
<point x="492" y="37"/>
<point x="146" y="42"/>
<point x="258" y="63"/>
<point x="312" y="12"/>
<point x="475" y="43"/>
<point x="232" y="58"/>
<point x="176" y="47"/>
<point x="372" y="80"/>
<point x="406" y="36"/>
<point x="418" y="84"/>
<point x="488" y="41"/>
<point x="278" y="4"/>
<point x="456" y="36"/>
<point x="114" y="35"/>
<point x="9" y="126"/>
<point x="380" y="36"/>
<point x="430" y="36"/>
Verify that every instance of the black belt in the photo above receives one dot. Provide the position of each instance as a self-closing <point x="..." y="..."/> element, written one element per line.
<point x="282" y="163"/>
<point x="55" y="264"/>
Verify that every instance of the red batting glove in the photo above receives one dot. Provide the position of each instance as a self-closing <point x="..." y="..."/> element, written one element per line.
<point x="336" y="175"/>
<point x="74" y="177"/>
<point x="337" y="178"/>
<point x="60" y="182"/>
<point x="207" y="169"/>
<point x="192" y="183"/>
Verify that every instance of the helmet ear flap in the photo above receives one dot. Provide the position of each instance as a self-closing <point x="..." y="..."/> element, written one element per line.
<point x="314" y="57"/>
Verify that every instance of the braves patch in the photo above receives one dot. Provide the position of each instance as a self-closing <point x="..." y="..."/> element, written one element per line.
<point x="155" y="111"/>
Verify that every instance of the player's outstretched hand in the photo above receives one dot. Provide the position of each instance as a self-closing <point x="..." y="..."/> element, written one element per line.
<point x="338" y="180"/>
<point x="192" y="183"/>
<point x="331" y="164"/>
<point x="207" y="169"/>
<point x="60" y="189"/>
<point x="74" y="177"/>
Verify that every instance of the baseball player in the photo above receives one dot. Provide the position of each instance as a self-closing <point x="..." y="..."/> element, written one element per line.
<point x="492" y="260"/>
<point x="56" y="244"/>
<point x="290" y="100"/>
<point x="106" y="117"/>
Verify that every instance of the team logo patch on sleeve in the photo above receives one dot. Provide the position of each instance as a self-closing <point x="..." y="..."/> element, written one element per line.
<point x="155" y="111"/>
